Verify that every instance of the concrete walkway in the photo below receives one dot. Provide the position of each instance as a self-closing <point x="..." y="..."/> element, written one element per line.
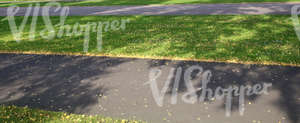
<point x="196" y="9"/>
<point x="116" y="87"/>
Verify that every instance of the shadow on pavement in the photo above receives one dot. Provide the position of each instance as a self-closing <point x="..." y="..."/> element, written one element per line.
<point x="60" y="83"/>
<point x="283" y="79"/>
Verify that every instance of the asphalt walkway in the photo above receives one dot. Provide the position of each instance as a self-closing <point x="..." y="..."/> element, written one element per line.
<point x="116" y="87"/>
<point x="196" y="9"/>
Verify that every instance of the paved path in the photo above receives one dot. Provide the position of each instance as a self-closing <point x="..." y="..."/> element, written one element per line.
<point x="197" y="9"/>
<point x="116" y="87"/>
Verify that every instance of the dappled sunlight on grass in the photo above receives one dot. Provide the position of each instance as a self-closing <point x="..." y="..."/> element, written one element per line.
<point x="245" y="38"/>
<point x="25" y="114"/>
<point x="238" y="34"/>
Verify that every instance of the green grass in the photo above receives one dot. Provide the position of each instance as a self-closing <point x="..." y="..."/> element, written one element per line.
<point x="244" y="38"/>
<point x="15" y="114"/>
<point x="143" y="2"/>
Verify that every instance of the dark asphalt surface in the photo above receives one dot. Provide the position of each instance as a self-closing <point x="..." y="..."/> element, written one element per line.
<point x="116" y="87"/>
<point x="196" y="9"/>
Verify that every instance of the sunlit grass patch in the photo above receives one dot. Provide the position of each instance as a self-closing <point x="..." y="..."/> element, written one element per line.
<point x="15" y="114"/>
<point x="242" y="38"/>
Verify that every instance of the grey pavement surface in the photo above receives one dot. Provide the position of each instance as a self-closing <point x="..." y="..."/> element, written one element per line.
<point x="33" y="1"/>
<point x="116" y="87"/>
<point x="196" y="9"/>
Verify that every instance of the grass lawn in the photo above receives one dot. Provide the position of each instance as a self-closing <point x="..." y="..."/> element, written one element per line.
<point x="15" y="114"/>
<point x="141" y="2"/>
<point x="243" y="38"/>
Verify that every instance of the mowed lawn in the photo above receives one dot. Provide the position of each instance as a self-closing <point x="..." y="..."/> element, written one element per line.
<point x="13" y="114"/>
<point x="243" y="38"/>
<point x="140" y="2"/>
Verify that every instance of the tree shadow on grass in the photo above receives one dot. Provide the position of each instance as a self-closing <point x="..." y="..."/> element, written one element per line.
<point x="207" y="37"/>
<point x="242" y="38"/>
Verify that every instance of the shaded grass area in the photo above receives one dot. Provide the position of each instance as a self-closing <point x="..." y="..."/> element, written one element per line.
<point x="27" y="115"/>
<point x="243" y="38"/>
<point x="140" y="2"/>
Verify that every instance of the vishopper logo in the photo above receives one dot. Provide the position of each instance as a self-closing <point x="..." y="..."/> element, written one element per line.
<point x="50" y="32"/>
<point x="295" y="12"/>
<point x="204" y="77"/>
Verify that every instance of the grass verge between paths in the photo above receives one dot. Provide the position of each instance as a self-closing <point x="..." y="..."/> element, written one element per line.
<point x="141" y="2"/>
<point x="15" y="114"/>
<point x="244" y="38"/>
